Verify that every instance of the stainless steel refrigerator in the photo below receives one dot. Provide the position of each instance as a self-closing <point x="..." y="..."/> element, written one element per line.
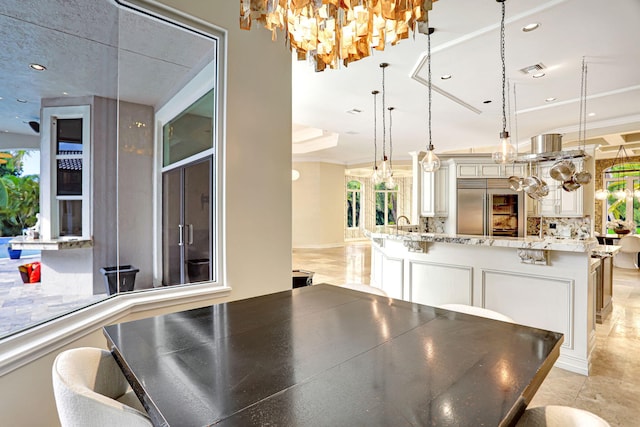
<point x="488" y="207"/>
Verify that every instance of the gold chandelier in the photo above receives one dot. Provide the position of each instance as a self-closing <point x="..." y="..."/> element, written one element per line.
<point x="331" y="31"/>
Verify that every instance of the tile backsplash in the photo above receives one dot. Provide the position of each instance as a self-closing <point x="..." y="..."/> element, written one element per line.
<point x="560" y="227"/>
<point x="432" y="225"/>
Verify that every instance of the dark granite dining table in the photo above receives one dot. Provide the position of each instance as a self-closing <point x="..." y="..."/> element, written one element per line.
<point x="323" y="355"/>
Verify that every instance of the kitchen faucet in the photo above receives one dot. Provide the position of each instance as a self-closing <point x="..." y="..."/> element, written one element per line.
<point x="398" y="223"/>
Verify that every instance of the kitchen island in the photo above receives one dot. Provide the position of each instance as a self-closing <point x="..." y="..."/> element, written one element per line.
<point x="543" y="283"/>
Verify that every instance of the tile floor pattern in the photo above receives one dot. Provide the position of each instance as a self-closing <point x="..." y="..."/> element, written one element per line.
<point x="23" y="305"/>
<point x="612" y="391"/>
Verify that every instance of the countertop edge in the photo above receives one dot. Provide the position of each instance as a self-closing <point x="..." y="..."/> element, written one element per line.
<point x="551" y="244"/>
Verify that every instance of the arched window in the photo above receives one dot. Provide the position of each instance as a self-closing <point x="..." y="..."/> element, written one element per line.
<point x="623" y="202"/>
<point x="354" y="196"/>
<point x="386" y="205"/>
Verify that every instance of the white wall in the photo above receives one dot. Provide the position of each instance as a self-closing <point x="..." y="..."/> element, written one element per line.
<point x="318" y="200"/>
<point x="257" y="192"/>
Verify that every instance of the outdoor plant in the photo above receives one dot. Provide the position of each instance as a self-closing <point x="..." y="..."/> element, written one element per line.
<point x="19" y="196"/>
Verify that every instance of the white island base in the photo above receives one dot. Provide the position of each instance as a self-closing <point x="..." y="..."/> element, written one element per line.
<point x="553" y="288"/>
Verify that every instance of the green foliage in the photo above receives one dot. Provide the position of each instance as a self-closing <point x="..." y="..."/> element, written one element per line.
<point x="22" y="204"/>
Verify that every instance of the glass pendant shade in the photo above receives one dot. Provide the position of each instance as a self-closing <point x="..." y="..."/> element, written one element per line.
<point x="375" y="177"/>
<point x="601" y="194"/>
<point x="390" y="183"/>
<point x="430" y="162"/>
<point x="620" y="194"/>
<point x="385" y="169"/>
<point x="507" y="153"/>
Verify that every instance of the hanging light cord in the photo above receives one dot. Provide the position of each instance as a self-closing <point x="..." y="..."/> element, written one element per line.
<point x="504" y="73"/>
<point x="384" y="128"/>
<point x="515" y="115"/>
<point x="390" y="142"/>
<point x="430" y="147"/>
<point x="375" y="130"/>
<point x="582" y="131"/>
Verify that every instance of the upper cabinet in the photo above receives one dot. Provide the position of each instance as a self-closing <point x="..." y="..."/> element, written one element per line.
<point x="435" y="193"/>
<point x="488" y="170"/>
<point x="560" y="202"/>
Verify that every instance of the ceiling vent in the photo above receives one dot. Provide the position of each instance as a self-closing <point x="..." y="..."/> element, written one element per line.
<point x="532" y="69"/>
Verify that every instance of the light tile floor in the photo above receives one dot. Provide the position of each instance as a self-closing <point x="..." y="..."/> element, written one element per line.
<point x="23" y="305"/>
<point x="612" y="391"/>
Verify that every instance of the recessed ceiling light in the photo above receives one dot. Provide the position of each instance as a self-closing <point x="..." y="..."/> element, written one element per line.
<point x="22" y="101"/>
<point x="65" y="93"/>
<point x="446" y="77"/>
<point x="488" y="101"/>
<point x="537" y="76"/>
<point x="531" y="27"/>
<point x="37" y="67"/>
<point x="354" y="111"/>
<point x="0" y="98"/>
<point x="550" y="99"/>
<point x="591" y="114"/>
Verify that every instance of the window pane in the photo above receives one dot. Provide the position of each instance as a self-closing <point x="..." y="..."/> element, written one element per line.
<point x="349" y="209"/>
<point x="380" y="208"/>
<point x="69" y="177"/>
<point x="69" y="136"/>
<point x="392" y="208"/>
<point x="353" y="185"/>
<point x="357" y="210"/>
<point x="70" y="212"/>
<point x="191" y="132"/>
<point x="616" y="207"/>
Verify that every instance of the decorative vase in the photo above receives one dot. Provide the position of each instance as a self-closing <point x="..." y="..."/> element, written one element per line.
<point x="622" y="231"/>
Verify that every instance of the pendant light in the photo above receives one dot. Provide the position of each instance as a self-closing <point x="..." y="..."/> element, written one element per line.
<point x="390" y="183"/>
<point x="430" y="162"/>
<point x="386" y="172"/>
<point x="375" y="177"/>
<point x="507" y="153"/>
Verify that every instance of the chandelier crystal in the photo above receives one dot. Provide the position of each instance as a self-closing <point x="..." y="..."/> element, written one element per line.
<point x="331" y="31"/>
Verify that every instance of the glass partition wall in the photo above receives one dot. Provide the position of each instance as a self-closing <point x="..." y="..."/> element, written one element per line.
<point x="129" y="133"/>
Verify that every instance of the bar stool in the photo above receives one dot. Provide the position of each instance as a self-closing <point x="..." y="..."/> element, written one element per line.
<point x="559" y="416"/>
<point x="628" y="255"/>
<point x="477" y="311"/>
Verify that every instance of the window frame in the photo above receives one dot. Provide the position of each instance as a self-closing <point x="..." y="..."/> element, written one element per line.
<point x="44" y="339"/>
<point x="356" y="207"/>
<point x="386" y="192"/>
<point x="630" y="208"/>
<point x="50" y="226"/>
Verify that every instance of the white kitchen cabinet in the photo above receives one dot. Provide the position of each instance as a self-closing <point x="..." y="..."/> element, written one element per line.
<point x="488" y="170"/>
<point x="560" y="202"/>
<point x="435" y="193"/>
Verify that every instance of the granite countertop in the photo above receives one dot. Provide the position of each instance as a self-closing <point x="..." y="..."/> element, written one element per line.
<point x="530" y="242"/>
<point x="606" y="250"/>
<point x="52" y="244"/>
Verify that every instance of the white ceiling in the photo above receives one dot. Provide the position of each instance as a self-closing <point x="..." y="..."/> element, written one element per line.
<point x="466" y="45"/>
<point x="93" y="48"/>
<point x="89" y="47"/>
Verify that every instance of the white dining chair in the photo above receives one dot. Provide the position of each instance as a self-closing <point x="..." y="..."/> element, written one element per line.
<point x="477" y="311"/>
<point x="365" y="288"/>
<point x="559" y="416"/>
<point x="90" y="390"/>
<point x="628" y="255"/>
